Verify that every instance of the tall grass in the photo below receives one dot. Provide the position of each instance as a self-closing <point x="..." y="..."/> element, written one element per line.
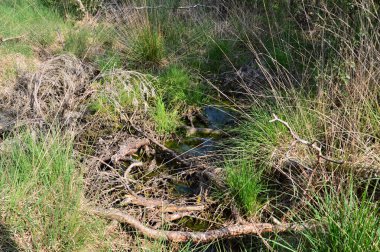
<point x="334" y="98"/>
<point x="348" y="222"/>
<point x="42" y="193"/>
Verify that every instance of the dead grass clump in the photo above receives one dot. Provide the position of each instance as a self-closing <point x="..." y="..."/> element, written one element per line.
<point x="58" y="89"/>
<point x="54" y="93"/>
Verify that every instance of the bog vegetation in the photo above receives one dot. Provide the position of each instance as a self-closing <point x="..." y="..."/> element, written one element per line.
<point x="185" y="125"/>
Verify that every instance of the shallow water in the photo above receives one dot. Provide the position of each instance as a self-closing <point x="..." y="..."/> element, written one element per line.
<point x="217" y="117"/>
<point x="198" y="145"/>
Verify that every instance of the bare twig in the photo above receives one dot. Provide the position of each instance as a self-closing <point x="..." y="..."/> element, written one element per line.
<point x="131" y="166"/>
<point x="198" y="237"/>
<point x="3" y="40"/>
<point x="311" y="145"/>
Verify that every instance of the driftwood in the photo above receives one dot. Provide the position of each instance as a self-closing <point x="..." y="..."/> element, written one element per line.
<point x="312" y="145"/>
<point x="198" y="237"/>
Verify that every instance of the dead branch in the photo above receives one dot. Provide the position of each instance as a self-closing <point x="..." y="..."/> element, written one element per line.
<point x="131" y="166"/>
<point x="206" y="131"/>
<point x="312" y="145"/>
<point x="3" y="40"/>
<point x="198" y="237"/>
<point x="129" y="149"/>
<point x="163" y="205"/>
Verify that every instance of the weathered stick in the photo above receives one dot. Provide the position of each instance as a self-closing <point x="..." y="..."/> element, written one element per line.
<point x="130" y="148"/>
<point x="3" y="40"/>
<point x="311" y="145"/>
<point x="197" y="237"/>
<point x="206" y="131"/>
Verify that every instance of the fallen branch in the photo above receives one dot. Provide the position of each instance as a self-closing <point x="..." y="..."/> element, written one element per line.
<point x="129" y="149"/>
<point x="206" y="131"/>
<point x="197" y="237"/>
<point x="131" y="166"/>
<point x="311" y="145"/>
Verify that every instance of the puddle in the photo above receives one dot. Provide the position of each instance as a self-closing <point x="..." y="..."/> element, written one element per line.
<point x="181" y="188"/>
<point x="218" y="118"/>
<point x="201" y="144"/>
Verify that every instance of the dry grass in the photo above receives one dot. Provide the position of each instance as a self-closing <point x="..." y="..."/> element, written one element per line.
<point x="334" y="101"/>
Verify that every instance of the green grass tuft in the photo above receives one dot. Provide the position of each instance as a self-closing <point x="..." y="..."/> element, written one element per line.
<point x="349" y="223"/>
<point x="78" y="42"/>
<point x="148" y="46"/>
<point x="166" y="121"/>
<point x="42" y="192"/>
<point x="178" y="87"/>
<point x="246" y="183"/>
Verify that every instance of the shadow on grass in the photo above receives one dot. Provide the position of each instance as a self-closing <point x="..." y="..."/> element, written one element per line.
<point x="7" y="244"/>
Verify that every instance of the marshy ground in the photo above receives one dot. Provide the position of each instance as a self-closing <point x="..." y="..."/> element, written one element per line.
<point x="182" y="125"/>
